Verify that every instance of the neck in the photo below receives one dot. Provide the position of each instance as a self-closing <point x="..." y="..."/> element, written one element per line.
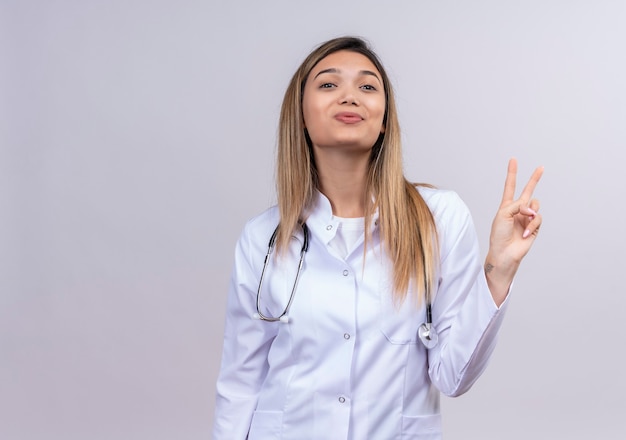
<point x="342" y="179"/>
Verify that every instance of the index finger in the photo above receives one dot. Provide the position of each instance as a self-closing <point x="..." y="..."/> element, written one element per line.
<point x="509" y="183"/>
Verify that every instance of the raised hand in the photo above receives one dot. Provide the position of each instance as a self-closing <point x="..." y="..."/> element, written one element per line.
<point x="513" y="232"/>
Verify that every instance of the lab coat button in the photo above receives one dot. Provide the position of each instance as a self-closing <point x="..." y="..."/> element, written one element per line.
<point x="329" y="227"/>
<point x="342" y="399"/>
<point x="346" y="336"/>
<point x="345" y="273"/>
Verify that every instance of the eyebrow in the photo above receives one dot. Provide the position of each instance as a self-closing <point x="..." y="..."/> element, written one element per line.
<point x="362" y="72"/>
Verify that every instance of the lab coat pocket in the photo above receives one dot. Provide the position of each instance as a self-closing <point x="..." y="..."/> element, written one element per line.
<point x="266" y="425"/>
<point x="421" y="427"/>
<point x="400" y="326"/>
<point x="399" y="323"/>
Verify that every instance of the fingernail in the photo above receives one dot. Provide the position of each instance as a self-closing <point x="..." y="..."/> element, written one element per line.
<point x="532" y="211"/>
<point x="526" y="233"/>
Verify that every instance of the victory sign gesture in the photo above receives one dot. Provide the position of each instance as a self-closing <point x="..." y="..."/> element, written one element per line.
<point x="513" y="232"/>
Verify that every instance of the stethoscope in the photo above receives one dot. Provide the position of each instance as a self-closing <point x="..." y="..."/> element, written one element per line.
<point x="426" y="332"/>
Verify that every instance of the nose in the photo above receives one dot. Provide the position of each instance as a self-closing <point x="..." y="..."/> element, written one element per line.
<point x="349" y="97"/>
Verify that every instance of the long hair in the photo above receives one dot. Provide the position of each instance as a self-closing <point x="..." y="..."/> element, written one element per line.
<point x="407" y="227"/>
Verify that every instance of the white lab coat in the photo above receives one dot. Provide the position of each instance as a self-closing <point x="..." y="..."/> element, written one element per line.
<point x="349" y="364"/>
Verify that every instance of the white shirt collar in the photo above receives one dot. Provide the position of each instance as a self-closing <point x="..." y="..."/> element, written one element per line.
<point x="320" y="216"/>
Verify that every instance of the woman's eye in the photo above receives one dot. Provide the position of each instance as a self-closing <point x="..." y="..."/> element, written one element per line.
<point x="368" y="87"/>
<point x="327" y="86"/>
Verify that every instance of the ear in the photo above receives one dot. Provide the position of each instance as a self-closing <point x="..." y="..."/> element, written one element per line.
<point x="382" y="128"/>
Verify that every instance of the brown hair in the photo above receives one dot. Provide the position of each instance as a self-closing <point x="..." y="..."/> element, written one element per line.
<point x="407" y="226"/>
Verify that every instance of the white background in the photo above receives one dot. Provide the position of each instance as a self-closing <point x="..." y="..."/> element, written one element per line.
<point x="137" y="136"/>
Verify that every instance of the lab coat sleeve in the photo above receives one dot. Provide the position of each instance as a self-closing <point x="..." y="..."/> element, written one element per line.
<point x="464" y="313"/>
<point x="246" y="345"/>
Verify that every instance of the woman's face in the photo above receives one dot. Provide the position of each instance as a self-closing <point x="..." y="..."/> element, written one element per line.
<point x="344" y="102"/>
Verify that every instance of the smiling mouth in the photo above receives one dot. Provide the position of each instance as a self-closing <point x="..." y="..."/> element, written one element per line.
<point x="348" y="118"/>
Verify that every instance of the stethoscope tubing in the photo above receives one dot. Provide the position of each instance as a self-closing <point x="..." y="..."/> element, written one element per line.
<point x="283" y="317"/>
<point x="426" y="332"/>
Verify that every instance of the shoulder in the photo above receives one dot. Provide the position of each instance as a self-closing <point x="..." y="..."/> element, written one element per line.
<point x="261" y="225"/>
<point x="455" y="226"/>
<point x="254" y="238"/>
<point x="443" y="203"/>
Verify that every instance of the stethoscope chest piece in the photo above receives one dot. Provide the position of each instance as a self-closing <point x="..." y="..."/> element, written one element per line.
<point x="428" y="335"/>
<point x="426" y="331"/>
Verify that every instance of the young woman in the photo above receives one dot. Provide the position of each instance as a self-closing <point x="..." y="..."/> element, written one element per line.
<point x="372" y="300"/>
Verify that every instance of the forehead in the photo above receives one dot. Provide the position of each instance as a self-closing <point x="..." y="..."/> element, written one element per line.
<point x="345" y="60"/>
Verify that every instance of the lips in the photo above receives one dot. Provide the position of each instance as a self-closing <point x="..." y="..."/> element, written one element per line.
<point x="348" y="117"/>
